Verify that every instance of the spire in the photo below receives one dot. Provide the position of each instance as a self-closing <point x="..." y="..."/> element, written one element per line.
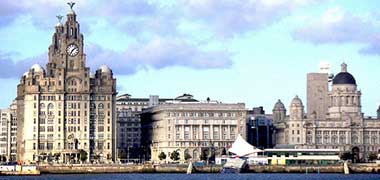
<point x="344" y="67"/>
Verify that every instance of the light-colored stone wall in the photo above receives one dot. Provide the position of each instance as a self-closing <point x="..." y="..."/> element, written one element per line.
<point x="64" y="108"/>
<point x="317" y="98"/>
<point x="344" y="126"/>
<point x="195" y="127"/>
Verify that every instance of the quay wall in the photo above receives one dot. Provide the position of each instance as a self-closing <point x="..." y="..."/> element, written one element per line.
<point x="182" y="168"/>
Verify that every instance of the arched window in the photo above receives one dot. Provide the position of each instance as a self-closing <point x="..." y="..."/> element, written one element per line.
<point x="50" y="109"/>
<point x="334" y="140"/>
<point x="342" y="139"/>
<point x="326" y="140"/>
<point x="101" y="106"/>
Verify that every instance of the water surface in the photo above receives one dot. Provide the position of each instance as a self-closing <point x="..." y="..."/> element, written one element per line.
<point x="196" y="177"/>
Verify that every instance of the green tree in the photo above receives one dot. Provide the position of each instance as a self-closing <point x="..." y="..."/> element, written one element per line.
<point x="224" y="152"/>
<point x="174" y="156"/>
<point x="57" y="156"/>
<point x="187" y="156"/>
<point x="372" y="156"/>
<point x="162" y="156"/>
<point x="123" y="155"/>
<point x="50" y="157"/>
<point x="83" y="155"/>
<point x="204" y="155"/>
<point x="346" y="156"/>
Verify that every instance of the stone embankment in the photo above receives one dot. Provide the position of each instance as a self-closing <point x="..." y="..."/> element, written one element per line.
<point x="105" y="168"/>
<point x="182" y="168"/>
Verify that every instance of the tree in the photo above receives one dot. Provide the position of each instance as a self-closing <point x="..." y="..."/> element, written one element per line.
<point x="174" y="155"/>
<point x="187" y="156"/>
<point x="224" y="152"/>
<point x="346" y="156"/>
<point x="162" y="156"/>
<point x="372" y="156"/>
<point x="50" y="157"/>
<point x="57" y="156"/>
<point x="83" y="155"/>
<point x="204" y="155"/>
<point x="123" y="155"/>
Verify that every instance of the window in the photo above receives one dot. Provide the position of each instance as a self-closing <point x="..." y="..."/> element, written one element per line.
<point x="100" y="128"/>
<point x="326" y="140"/>
<point x="354" y="140"/>
<point x="374" y="140"/>
<point x="342" y="139"/>
<point x="206" y="132"/>
<point x="308" y="139"/>
<point x="318" y="140"/>
<point x="216" y="133"/>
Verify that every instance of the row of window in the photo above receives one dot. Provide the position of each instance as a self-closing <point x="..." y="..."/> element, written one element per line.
<point x="202" y="114"/>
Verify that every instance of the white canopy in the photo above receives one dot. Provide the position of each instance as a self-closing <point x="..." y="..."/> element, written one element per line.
<point x="242" y="148"/>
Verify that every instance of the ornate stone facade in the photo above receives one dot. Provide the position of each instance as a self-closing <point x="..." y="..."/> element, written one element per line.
<point x="344" y="127"/>
<point x="192" y="128"/>
<point x="64" y="110"/>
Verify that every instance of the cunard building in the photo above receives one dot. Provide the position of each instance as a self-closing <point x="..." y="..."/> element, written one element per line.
<point x="66" y="114"/>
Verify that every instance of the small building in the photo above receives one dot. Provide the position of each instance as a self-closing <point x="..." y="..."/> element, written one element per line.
<point x="260" y="128"/>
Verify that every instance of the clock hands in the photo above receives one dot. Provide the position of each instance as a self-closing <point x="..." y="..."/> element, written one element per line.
<point x="72" y="51"/>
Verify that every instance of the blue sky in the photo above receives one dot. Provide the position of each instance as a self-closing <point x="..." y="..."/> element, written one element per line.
<point x="251" y="51"/>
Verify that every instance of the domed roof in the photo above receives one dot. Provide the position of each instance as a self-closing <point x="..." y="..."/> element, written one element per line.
<point x="296" y="102"/>
<point x="59" y="24"/>
<point x="37" y="68"/>
<point x="105" y="69"/>
<point x="344" y="77"/>
<point x="279" y="105"/>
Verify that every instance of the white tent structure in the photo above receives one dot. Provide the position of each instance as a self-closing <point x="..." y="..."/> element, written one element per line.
<point x="242" y="148"/>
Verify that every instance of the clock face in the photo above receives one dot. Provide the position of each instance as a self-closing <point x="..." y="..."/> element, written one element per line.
<point x="72" y="50"/>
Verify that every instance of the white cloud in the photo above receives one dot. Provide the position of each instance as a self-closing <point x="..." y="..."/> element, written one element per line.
<point x="338" y="26"/>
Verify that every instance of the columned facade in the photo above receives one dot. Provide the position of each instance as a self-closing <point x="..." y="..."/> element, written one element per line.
<point x="192" y="129"/>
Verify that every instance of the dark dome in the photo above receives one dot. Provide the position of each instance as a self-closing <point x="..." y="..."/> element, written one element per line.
<point x="344" y="78"/>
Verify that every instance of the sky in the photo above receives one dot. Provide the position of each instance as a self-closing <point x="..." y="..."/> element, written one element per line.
<point x="250" y="51"/>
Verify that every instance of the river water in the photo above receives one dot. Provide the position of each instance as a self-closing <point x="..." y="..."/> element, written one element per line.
<point x="196" y="177"/>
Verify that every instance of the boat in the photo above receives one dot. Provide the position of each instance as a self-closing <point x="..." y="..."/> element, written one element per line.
<point x="19" y="170"/>
<point x="235" y="165"/>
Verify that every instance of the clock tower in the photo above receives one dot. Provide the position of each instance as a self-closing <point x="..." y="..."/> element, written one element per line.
<point x="64" y="111"/>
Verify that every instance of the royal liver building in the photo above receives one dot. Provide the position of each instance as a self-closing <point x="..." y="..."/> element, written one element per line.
<point x="65" y="113"/>
<point x="334" y="118"/>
